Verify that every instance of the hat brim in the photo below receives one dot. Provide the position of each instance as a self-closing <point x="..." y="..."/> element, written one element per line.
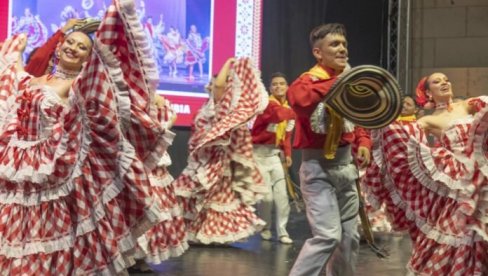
<point x="89" y="27"/>
<point x="367" y="95"/>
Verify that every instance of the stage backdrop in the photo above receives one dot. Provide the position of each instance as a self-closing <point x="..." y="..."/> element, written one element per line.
<point x="285" y="28"/>
<point x="191" y="39"/>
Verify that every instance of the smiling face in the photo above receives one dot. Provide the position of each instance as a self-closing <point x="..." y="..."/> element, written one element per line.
<point x="74" y="50"/>
<point x="278" y="87"/>
<point x="331" y="51"/>
<point x="408" y="107"/>
<point x="439" y="87"/>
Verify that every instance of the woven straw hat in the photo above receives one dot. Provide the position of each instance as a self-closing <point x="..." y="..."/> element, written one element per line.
<point x="367" y="95"/>
<point x="90" y="26"/>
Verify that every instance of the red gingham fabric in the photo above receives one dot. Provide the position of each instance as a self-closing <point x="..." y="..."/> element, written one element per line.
<point x="167" y="238"/>
<point x="74" y="190"/>
<point x="221" y="181"/>
<point x="440" y="195"/>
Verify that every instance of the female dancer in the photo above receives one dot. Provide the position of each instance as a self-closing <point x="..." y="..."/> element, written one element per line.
<point x="74" y="145"/>
<point x="221" y="181"/>
<point x="440" y="195"/>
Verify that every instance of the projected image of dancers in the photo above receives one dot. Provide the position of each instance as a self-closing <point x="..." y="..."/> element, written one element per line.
<point x="180" y="37"/>
<point x="179" y="33"/>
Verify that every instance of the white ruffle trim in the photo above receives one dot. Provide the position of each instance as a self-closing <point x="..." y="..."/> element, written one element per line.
<point x="119" y="264"/>
<point x="434" y="179"/>
<point x="124" y="106"/>
<point x="27" y="173"/>
<point x="257" y="226"/>
<point x="479" y="135"/>
<point x="242" y="183"/>
<point x="163" y="254"/>
<point x="140" y="44"/>
<point x="160" y="147"/>
<point x="161" y="182"/>
<point x="124" y="162"/>
<point x="172" y="252"/>
<point x="237" y="91"/>
<point x="66" y="242"/>
<point x="164" y="161"/>
<point x="430" y="231"/>
<point x="377" y="152"/>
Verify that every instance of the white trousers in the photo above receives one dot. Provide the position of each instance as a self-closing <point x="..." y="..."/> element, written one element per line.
<point x="268" y="159"/>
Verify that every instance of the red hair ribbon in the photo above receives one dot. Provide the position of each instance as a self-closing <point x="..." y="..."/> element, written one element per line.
<point x="420" y="93"/>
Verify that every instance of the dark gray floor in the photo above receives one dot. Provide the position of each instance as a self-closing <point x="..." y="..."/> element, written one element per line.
<point x="256" y="257"/>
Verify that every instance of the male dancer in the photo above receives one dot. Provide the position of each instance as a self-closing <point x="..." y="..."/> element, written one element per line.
<point x="271" y="135"/>
<point x="327" y="173"/>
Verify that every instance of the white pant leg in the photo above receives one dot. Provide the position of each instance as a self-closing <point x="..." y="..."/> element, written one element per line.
<point x="280" y="194"/>
<point x="265" y="207"/>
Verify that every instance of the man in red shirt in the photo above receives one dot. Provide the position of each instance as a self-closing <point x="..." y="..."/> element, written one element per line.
<point x="271" y="137"/>
<point x="327" y="173"/>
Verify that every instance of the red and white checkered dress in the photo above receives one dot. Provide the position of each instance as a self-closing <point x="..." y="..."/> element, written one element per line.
<point x="440" y="195"/>
<point x="221" y="181"/>
<point x="377" y="217"/>
<point x="74" y="192"/>
<point x="167" y="238"/>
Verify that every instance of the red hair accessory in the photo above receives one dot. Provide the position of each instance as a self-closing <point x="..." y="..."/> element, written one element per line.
<point x="421" y="96"/>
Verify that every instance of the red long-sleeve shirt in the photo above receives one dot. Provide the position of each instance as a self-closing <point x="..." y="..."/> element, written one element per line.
<point x="262" y="130"/>
<point x="39" y="60"/>
<point x="304" y="94"/>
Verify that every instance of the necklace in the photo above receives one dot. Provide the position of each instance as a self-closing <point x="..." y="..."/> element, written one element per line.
<point x="63" y="74"/>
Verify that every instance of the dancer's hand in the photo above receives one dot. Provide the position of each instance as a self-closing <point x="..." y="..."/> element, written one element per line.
<point x="158" y="100"/>
<point x="221" y="79"/>
<point x="16" y="44"/>
<point x="229" y="62"/>
<point x="22" y="42"/>
<point x="288" y="161"/>
<point x="363" y="157"/>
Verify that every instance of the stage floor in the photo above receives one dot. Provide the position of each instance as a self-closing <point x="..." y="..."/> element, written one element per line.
<point x="270" y="258"/>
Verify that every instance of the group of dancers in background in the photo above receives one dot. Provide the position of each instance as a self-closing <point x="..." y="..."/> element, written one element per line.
<point x="84" y="185"/>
